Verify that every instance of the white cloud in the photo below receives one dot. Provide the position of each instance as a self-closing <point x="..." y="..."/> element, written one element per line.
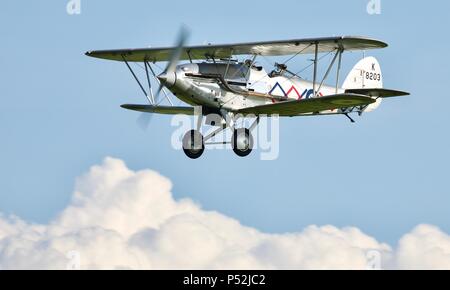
<point x="119" y="218"/>
<point x="426" y="247"/>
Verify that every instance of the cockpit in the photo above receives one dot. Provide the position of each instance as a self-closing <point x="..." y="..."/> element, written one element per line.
<point x="279" y="70"/>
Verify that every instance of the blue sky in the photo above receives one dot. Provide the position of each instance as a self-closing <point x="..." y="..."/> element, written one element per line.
<point x="60" y="114"/>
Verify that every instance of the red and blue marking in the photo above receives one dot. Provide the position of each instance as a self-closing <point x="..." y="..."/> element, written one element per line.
<point x="306" y="94"/>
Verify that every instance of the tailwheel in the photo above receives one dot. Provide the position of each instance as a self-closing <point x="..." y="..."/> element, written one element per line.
<point x="193" y="144"/>
<point x="242" y="142"/>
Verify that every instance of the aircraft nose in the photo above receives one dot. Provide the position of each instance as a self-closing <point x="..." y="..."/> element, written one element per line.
<point x="168" y="78"/>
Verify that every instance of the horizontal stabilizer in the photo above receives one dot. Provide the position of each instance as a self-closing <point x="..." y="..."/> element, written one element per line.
<point x="379" y="93"/>
<point x="308" y="106"/>
<point x="167" y="110"/>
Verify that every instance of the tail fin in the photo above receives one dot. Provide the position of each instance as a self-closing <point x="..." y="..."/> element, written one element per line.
<point x="365" y="74"/>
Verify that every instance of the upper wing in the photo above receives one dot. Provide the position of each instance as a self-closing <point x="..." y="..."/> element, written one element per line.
<point x="381" y="93"/>
<point x="269" y="48"/>
<point x="313" y="105"/>
<point x="160" y="109"/>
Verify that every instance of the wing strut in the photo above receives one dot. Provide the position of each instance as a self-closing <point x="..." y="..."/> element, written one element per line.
<point x="316" y="54"/>
<point x="338" y="71"/>
<point x="150" y="96"/>
<point x="328" y="70"/>
<point x="147" y="65"/>
<point x="157" y="80"/>
<point x="137" y="80"/>
<point x="337" y="56"/>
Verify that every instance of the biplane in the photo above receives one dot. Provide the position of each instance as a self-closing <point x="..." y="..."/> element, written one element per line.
<point x="212" y="78"/>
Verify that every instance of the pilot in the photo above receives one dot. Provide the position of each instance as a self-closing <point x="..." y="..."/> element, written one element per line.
<point x="279" y="70"/>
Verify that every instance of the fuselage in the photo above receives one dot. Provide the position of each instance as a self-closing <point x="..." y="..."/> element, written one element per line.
<point x="246" y="86"/>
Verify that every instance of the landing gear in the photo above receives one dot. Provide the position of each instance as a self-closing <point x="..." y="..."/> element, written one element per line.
<point x="242" y="142"/>
<point x="193" y="144"/>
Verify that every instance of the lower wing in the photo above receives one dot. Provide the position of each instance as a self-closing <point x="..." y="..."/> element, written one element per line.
<point x="313" y="105"/>
<point x="168" y="110"/>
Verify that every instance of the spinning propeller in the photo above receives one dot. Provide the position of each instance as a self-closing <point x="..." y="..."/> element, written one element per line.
<point x="167" y="77"/>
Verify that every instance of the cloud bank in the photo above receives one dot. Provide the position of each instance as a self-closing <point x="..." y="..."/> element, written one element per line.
<point x="122" y="219"/>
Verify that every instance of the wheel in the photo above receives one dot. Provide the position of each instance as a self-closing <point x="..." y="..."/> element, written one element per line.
<point x="193" y="145"/>
<point x="242" y="142"/>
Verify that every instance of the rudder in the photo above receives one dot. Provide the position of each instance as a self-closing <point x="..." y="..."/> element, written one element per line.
<point x="365" y="74"/>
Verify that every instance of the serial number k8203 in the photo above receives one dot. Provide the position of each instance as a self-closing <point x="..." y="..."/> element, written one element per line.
<point x="246" y="280"/>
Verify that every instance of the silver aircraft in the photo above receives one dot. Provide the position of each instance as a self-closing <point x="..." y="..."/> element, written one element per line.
<point x="213" y="79"/>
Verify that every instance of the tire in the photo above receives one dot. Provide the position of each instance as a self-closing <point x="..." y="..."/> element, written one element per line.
<point x="193" y="145"/>
<point x="242" y="142"/>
